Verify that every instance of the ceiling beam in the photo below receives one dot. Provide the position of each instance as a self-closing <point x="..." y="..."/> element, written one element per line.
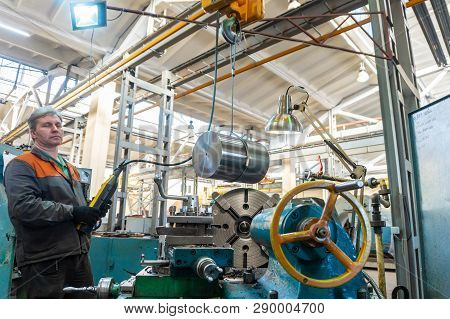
<point x="353" y="144"/>
<point x="280" y="70"/>
<point x="57" y="6"/>
<point x="36" y="47"/>
<point x="239" y="106"/>
<point x="357" y="116"/>
<point x="376" y="159"/>
<point x="18" y="3"/>
<point x="429" y="70"/>
<point x="369" y="61"/>
<point x="345" y="102"/>
<point x="425" y="92"/>
<point x="127" y="40"/>
<point x="355" y="97"/>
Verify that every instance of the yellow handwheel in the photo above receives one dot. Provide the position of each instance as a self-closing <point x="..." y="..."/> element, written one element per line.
<point x="319" y="234"/>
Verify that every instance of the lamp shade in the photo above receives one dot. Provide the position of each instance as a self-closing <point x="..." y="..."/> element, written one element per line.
<point x="284" y="122"/>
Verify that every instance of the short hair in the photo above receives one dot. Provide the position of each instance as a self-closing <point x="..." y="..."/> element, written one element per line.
<point x="41" y="112"/>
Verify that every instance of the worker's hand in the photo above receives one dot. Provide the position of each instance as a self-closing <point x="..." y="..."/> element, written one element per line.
<point x="86" y="215"/>
<point x="104" y="208"/>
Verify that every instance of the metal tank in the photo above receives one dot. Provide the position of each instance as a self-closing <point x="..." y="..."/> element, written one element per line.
<point x="229" y="158"/>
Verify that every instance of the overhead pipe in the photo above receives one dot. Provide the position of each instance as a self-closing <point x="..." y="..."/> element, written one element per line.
<point x="108" y="73"/>
<point x="271" y="58"/>
<point x="97" y="79"/>
<point x="251" y="66"/>
<point x="308" y="9"/>
<point x="412" y="3"/>
<point x="263" y="61"/>
<point x="259" y="63"/>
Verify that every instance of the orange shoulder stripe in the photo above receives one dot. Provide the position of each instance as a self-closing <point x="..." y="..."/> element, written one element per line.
<point x="41" y="168"/>
<point x="73" y="172"/>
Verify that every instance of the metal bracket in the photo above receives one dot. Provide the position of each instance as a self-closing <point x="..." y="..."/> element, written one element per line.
<point x="151" y="87"/>
<point x="407" y="80"/>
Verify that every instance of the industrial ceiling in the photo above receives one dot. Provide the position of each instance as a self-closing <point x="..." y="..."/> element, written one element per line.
<point x="329" y="75"/>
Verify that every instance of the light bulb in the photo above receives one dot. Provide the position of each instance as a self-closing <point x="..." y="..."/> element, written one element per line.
<point x="363" y="76"/>
<point x="293" y="4"/>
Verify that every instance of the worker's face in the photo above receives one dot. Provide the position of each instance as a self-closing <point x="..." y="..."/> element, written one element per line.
<point x="48" y="131"/>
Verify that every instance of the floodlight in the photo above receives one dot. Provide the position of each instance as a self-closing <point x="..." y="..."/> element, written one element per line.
<point x="88" y="14"/>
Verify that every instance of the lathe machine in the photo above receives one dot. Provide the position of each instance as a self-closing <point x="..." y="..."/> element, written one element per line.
<point x="245" y="247"/>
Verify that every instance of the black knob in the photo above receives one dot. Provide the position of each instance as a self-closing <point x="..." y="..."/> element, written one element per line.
<point x="273" y="294"/>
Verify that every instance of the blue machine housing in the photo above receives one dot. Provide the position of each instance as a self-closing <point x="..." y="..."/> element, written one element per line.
<point x="7" y="234"/>
<point x="315" y="262"/>
<point x="186" y="257"/>
<point x="119" y="257"/>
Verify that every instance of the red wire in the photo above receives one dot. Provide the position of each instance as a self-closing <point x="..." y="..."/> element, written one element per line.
<point x="320" y="172"/>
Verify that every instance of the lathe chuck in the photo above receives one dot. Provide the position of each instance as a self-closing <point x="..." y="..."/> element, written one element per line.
<point x="233" y="213"/>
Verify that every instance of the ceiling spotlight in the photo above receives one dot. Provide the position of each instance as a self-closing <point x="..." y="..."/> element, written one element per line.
<point x="88" y="14"/>
<point x="284" y="122"/>
<point x="363" y="76"/>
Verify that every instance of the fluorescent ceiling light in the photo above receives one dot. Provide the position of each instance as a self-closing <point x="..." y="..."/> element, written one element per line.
<point x="87" y="15"/>
<point x="12" y="29"/>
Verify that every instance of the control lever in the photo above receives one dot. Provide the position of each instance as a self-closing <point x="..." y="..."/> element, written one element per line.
<point x="349" y="186"/>
<point x="356" y="171"/>
<point x="190" y="202"/>
<point x="158" y="182"/>
<point x="90" y="289"/>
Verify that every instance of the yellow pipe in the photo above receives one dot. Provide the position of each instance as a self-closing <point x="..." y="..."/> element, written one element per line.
<point x="97" y="78"/>
<point x="263" y="61"/>
<point x="380" y="264"/>
<point x="412" y="3"/>
<point x="238" y="71"/>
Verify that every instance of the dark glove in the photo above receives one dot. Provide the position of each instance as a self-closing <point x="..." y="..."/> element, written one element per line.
<point x="104" y="208"/>
<point x="86" y="215"/>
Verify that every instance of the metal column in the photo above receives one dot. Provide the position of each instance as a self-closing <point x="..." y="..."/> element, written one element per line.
<point x="398" y="97"/>
<point x="77" y="140"/>
<point x="159" y="211"/>
<point x="183" y="181"/>
<point x="122" y="149"/>
<point x="124" y="146"/>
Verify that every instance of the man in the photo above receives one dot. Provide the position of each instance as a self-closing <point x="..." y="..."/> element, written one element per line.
<point x="46" y="206"/>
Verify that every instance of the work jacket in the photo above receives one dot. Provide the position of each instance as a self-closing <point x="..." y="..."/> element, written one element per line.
<point x="40" y="201"/>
